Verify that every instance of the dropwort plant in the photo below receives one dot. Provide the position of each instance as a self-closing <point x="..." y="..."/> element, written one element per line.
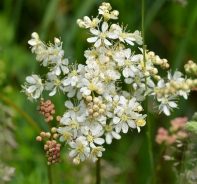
<point x="105" y="95"/>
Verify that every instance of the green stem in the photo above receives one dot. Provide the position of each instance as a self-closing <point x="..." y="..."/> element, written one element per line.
<point x="49" y="170"/>
<point x="146" y="102"/>
<point x="22" y="113"/>
<point x="98" y="175"/>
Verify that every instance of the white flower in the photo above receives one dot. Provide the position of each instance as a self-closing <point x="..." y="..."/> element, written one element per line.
<point x="96" y="152"/>
<point x="60" y="65"/>
<point x="120" y="33"/>
<point x="110" y="133"/>
<point x="54" y="84"/>
<point x="91" y="86"/>
<point x="34" y="87"/>
<point x="80" y="148"/>
<point x="140" y="121"/>
<point x="66" y="134"/>
<point x="166" y="104"/>
<point x="100" y="37"/>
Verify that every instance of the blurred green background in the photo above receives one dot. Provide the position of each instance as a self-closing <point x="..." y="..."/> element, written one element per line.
<point x="170" y="31"/>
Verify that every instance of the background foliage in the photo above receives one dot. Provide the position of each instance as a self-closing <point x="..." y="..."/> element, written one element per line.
<point x="171" y="32"/>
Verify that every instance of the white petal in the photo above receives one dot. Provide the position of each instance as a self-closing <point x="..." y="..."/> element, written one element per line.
<point x="107" y="42"/>
<point x="92" y="39"/>
<point x="73" y="153"/>
<point x="129" y="42"/>
<point x="172" y="104"/>
<point x="166" y="110"/>
<point x="108" y="138"/>
<point x="125" y="128"/>
<point x="115" y="135"/>
<point x="104" y="26"/>
<point x="125" y="72"/>
<point x="30" y="80"/>
<point x="116" y="120"/>
<point x="58" y="71"/>
<point x="99" y="141"/>
<point x="69" y="104"/>
<point x="94" y="31"/>
<point x="31" y="89"/>
<point x="131" y="123"/>
<point x="118" y="127"/>
<point x="97" y="43"/>
<point x="53" y="92"/>
<point x="33" y="42"/>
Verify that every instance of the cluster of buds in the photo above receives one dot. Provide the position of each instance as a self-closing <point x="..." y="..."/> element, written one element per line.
<point x="191" y="68"/>
<point x="96" y="107"/>
<point x="163" y="63"/>
<point x="53" y="152"/>
<point x="46" y="109"/>
<point x="175" y="132"/>
<point x="51" y="147"/>
<point x="105" y="8"/>
<point x="175" y="86"/>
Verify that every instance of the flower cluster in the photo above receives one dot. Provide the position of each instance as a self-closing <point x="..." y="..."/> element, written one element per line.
<point x="46" y="109"/>
<point x="51" y="147"/>
<point x="175" y="132"/>
<point x="99" y="109"/>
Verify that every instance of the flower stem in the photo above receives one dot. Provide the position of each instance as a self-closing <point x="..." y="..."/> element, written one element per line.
<point x="98" y="175"/>
<point x="146" y="102"/>
<point x="49" y="170"/>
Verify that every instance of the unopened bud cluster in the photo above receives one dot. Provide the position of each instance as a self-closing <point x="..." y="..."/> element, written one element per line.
<point x="175" y="86"/>
<point x="46" y="109"/>
<point x="175" y="132"/>
<point x="51" y="146"/>
<point x="191" y="68"/>
<point x="96" y="107"/>
<point x="163" y="63"/>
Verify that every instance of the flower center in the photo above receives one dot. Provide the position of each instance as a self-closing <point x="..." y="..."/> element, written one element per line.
<point x="73" y="73"/>
<point x="124" y="117"/>
<point x="67" y="136"/>
<point x="108" y="128"/>
<point x="57" y="82"/>
<point x="89" y="138"/>
<point x="92" y="87"/>
<point x="128" y="63"/>
<point x="140" y="122"/>
<point x="80" y="148"/>
<point x="73" y="124"/>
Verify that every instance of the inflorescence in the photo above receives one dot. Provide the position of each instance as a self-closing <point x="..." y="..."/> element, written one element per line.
<point x="97" y="104"/>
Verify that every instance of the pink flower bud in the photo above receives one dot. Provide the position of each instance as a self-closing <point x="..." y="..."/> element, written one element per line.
<point x="48" y="135"/>
<point x="46" y="147"/>
<point x="42" y="134"/>
<point x="38" y="138"/>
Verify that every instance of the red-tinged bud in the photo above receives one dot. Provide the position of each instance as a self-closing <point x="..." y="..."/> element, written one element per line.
<point x="42" y="134"/>
<point x="38" y="138"/>
<point x="52" y="111"/>
<point x="58" y="118"/>
<point x="48" y="135"/>
<point x="46" y="147"/>
<point x="55" y="136"/>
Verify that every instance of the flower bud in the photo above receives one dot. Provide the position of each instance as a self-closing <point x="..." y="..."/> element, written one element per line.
<point x="48" y="135"/>
<point x="89" y="98"/>
<point x="35" y="35"/>
<point x="96" y="100"/>
<point x="96" y="114"/>
<point x="42" y="134"/>
<point x="95" y="108"/>
<point x="76" y="160"/>
<point x="54" y="130"/>
<point x="38" y="138"/>
<point x="90" y="111"/>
